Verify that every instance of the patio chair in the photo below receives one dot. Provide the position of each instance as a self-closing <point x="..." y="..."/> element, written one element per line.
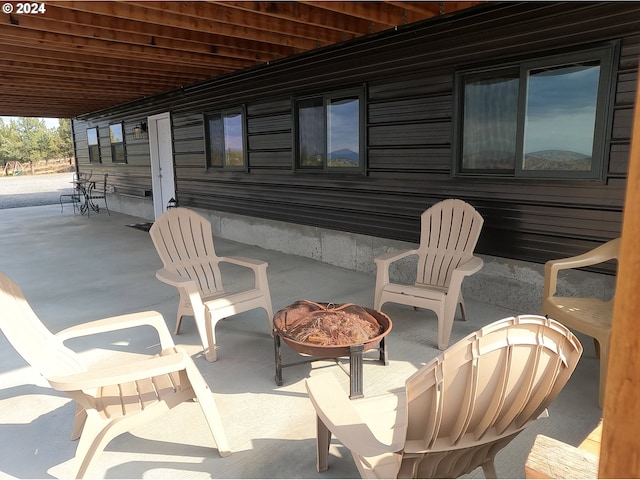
<point x="458" y="411"/>
<point x="184" y="241"/>
<point x="448" y="237"/>
<point x="111" y="398"/>
<point x="590" y="316"/>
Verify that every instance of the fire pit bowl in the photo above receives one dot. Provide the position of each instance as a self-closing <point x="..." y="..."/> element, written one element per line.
<point x="303" y="313"/>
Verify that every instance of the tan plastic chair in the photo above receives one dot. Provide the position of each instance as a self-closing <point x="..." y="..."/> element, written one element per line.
<point x="448" y="237"/>
<point x="458" y="411"/>
<point x="184" y="241"/>
<point x="590" y="316"/>
<point x="111" y="399"/>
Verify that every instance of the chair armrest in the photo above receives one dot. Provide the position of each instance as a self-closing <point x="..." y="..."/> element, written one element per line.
<point x="390" y="257"/>
<point x="600" y="254"/>
<point x="120" y="322"/>
<point x="383" y="262"/>
<point x="259" y="268"/>
<point x="338" y="414"/>
<point x="129" y="372"/>
<point x="469" y="267"/>
<point x="245" y="262"/>
<point x="172" y="278"/>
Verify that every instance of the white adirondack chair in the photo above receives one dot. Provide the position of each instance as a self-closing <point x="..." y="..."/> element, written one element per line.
<point x="448" y="237"/>
<point x="590" y="316"/>
<point x="458" y="411"/>
<point x="111" y="398"/>
<point x="184" y="241"/>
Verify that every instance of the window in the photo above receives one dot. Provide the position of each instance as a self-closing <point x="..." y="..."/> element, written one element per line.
<point x="330" y="132"/>
<point x="226" y="139"/>
<point x="94" y="145"/>
<point x="117" y="143"/>
<point x="541" y="118"/>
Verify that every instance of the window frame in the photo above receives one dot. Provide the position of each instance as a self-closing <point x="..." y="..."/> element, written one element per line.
<point x="97" y="144"/>
<point x="606" y="54"/>
<point x="327" y="97"/>
<point x="116" y="145"/>
<point x="222" y="113"/>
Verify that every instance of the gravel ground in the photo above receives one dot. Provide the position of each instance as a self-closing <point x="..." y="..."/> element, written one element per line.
<point x="32" y="190"/>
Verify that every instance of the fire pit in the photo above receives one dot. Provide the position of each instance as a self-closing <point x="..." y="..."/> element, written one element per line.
<point x="327" y="330"/>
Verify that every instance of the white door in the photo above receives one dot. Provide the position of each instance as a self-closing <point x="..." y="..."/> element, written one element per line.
<point x="162" y="180"/>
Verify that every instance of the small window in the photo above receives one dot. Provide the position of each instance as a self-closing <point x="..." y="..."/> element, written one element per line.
<point x="226" y="139"/>
<point x="329" y="132"/>
<point x="94" y="145"/>
<point x="117" y="143"/>
<point x="542" y="118"/>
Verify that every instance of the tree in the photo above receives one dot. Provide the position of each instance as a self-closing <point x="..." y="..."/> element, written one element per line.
<point x="28" y="140"/>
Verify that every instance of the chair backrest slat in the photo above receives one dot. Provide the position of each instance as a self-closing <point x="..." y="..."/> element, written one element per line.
<point x="30" y="338"/>
<point x="449" y="233"/>
<point x="491" y="384"/>
<point x="184" y="241"/>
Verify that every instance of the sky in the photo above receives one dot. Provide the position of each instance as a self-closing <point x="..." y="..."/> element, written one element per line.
<point x="49" y="122"/>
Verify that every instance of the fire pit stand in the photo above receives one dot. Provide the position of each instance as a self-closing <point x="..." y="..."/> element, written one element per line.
<point x="353" y="351"/>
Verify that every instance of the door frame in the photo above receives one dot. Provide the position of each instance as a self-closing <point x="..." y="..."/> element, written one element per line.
<point x="158" y="170"/>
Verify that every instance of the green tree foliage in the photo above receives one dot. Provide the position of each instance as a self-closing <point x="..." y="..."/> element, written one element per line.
<point x="29" y="140"/>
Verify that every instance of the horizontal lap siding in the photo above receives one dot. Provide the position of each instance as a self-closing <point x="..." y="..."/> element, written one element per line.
<point x="409" y="78"/>
<point x="130" y="178"/>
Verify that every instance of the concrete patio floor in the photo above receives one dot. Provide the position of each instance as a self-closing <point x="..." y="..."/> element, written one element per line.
<point x="75" y="269"/>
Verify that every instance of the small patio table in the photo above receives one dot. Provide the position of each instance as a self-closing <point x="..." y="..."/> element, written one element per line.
<point x="85" y="187"/>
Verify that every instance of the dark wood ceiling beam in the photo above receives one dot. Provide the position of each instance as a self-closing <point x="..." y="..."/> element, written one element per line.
<point x="385" y="14"/>
<point x="74" y="22"/>
<point x="35" y="54"/>
<point x="43" y="24"/>
<point x="303" y="13"/>
<point x="38" y="106"/>
<point x="215" y="12"/>
<point x="55" y="67"/>
<point x="150" y="12"/>
<point x="10" y="34"/>
<point x="69" y="75"/>
<point x="422" y="9"/>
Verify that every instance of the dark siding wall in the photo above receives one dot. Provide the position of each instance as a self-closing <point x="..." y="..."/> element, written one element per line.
<point x="409" y="76"/>
<point x="132" y="178"/>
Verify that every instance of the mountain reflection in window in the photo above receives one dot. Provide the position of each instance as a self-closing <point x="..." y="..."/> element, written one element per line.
<point x="560" y="117"/>
<point x="343" y="133"/>
<point x="542" y="117"/>
<point x="329" y="132"/>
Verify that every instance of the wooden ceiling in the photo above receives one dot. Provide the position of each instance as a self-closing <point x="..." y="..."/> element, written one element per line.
<point x="73" y="57"/>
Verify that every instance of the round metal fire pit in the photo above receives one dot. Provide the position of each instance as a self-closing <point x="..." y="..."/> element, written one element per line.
<point x="286" y="319"/>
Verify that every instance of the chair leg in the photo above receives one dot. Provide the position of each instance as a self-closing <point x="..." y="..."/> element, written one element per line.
<point x="445" y="325"/>
<point x="489" y="469"/>
<point x="604" y="365"/>
<point x="209" y="409"/>
<point x="78" y="422"/>
<point x="323" y="441"/>
<point x="209" y="341"/>
<point x="463" y="309"/>
<point x="95" y="436"/>
<point x="106" y="205"/>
